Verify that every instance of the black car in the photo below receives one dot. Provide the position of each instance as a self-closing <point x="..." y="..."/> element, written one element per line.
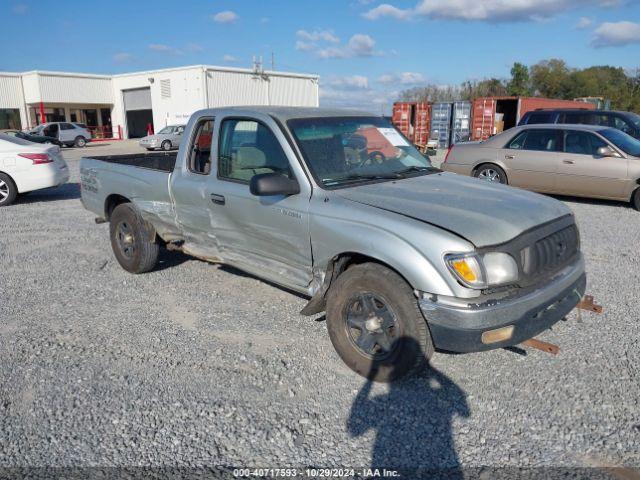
<point x="33" y="138"/>
<point x="628" y="122"/>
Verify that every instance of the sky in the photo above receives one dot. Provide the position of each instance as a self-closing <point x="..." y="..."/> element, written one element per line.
<point x="365" y="51"/>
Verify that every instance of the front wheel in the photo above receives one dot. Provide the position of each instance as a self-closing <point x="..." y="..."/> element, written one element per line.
<point x="375" y="323"/>
<point x="491" y="173"/>
<point x="132" y="240"/>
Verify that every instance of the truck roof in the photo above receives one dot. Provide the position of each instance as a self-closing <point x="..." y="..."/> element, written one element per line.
<point x="288" y="113"/>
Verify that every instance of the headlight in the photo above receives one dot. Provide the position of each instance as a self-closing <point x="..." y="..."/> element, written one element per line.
<point x="481" y="271"/>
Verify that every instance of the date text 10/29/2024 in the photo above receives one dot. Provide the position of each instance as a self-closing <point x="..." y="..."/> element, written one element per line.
<point x="315" y="473"/>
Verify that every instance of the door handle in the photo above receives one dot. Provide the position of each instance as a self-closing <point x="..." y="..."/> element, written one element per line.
<point x="509" y="157"/>
<point x="217" y="199"/>
<point x="568" y="162"/>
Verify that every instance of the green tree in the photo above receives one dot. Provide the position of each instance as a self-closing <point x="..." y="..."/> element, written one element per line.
<point x="550" y="78"/>
<point x="520" y="83"/>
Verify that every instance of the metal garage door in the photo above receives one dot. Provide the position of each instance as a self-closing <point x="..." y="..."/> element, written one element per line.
<point x="138" y="99"/>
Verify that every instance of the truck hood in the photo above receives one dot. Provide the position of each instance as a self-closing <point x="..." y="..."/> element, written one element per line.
<point x="481" y="212"/>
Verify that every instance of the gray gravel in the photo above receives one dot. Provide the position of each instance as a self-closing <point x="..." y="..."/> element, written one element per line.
<point x="195" y="364"/>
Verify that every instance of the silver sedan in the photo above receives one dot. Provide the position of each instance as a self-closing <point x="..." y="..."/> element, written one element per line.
<point x="167" y="139"/>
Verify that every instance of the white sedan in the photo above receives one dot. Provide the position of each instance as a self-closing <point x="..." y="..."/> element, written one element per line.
<point x="26" y="166"/>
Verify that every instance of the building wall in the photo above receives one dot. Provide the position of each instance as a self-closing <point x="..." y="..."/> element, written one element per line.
<point x="11" y="95"/>
<point x="175" y="93"/>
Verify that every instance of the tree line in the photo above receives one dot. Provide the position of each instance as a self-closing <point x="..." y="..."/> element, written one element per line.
<point x="549" y="78"/>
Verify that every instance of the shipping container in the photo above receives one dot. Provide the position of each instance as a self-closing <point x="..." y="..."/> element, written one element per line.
<point x="492" y="115"/>
<point x="461" y="122"/>
<point x="402" y="118"/>
<point x="441" y="123"/>
<point x="422" y="125"/>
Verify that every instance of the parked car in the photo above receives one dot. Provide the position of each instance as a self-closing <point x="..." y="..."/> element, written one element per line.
<point x="32" y="138"/>
<point x="403" y="257"/>
<point x="580" y="160"/>
<point x="167" y="139"/>
<point x="26" y="166"/>
<point x="628" y="122"/>
<point x="69" y="134"/>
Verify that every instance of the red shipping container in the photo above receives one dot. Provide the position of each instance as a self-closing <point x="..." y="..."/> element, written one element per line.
<point x="402" y="118"/>
<point x="484" y="123"/>
<point x="422" y="124"/>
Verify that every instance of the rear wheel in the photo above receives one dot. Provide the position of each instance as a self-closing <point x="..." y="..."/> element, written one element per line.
<point x="166" y="145"/>
<point x="635" y="200"/>
<point x="375" y="323"/>
<point x="132" y="240"/>
<point x="491" y="173"/>
<point x="80" y="142"/>
<point x="8" y="190"/>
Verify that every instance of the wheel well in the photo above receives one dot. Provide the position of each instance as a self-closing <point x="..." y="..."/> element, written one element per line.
<point x="112" y="202"/>
<point x="475" y="169"/>
<point x="12" y="180"/>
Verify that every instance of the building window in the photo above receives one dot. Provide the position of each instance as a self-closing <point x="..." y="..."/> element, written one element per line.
<point x="10" y="119"/>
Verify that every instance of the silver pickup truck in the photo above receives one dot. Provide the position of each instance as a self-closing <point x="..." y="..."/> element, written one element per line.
<point x="339" y="206"/>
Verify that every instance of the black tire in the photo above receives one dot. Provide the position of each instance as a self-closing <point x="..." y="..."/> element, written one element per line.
<point x="80" y="141"/>
<point x="635" y="199"/>
<point x="491" y="173"/>
<point x="8" y="190"/>
<point x="166" y="145"/>
<point x="132" y="240"/>
<point x="409" y="344"/>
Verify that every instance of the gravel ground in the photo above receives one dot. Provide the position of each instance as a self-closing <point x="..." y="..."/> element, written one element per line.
<point x="199" y="365"/>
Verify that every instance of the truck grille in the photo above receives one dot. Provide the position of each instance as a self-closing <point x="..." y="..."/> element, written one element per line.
<point x="550" y="253"/>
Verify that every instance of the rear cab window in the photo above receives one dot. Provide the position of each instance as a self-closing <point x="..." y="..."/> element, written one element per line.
<point x="199" y="155"/>
<point x="540" y="117"/>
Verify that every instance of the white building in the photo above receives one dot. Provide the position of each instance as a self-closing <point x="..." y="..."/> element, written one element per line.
<point x="126" y="104"/>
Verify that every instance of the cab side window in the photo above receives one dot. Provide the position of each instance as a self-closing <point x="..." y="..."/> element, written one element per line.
<point x="582" y="143"/>
<point x="621" y="124"/>
<point x="543" y="140"/>
<point x="199" y="160"/>
<point x="518" y="142"/>
<point x="249" y="148"/>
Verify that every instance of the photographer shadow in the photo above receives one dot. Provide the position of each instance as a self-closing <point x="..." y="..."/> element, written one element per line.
<point x="412" y="423"/>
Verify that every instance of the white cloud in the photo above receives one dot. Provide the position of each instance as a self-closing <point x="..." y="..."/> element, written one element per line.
<point x="386" y="10"/>
<point x="584" y="22"/>
<point x="404" y="78"/>
<point x="19" y="9"/>
<point x="374" y="101"/>
<point x="318" y="35"/>
<point x="361" y="45"/>
<point x="229" y="59"/>
<point x="486" y="10"/>
<point x="194" y="48"/>
<point x="123" y="57"/>
<point x="305" y="46"/>
<point x="225" y="17"/>
<point x="353" y="82"/>
<point x="611" y="34"/>
<point x="162" y="48"/>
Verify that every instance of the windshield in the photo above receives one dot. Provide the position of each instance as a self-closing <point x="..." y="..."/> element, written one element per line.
<point x="624" y="142"/>
<point x="635" y="119"/>
<point x="342" y="151"/>
<point x="166" y="130"/>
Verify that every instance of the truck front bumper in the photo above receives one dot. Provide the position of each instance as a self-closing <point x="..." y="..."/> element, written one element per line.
<point x="461" y="328"/>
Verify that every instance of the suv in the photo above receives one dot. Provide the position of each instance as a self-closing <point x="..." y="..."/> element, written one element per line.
<point x="69" y="134"/>
<point x="627" y="122"/>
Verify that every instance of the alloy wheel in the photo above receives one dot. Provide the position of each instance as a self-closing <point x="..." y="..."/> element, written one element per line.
<point x="489" y="175"/>
<point x="126" y="240"/>
<point x="372" y="325"/>
<point x="4" y="191"/>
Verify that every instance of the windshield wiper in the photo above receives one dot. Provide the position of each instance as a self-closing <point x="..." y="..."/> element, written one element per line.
<point x="418" y="169"/>
<point x="360" y="177"/>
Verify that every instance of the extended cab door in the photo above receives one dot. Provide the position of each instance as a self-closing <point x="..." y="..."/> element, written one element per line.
<point x="532" y="159"/>
<point x="583" y="172"/>
<point x="267" y="235"/>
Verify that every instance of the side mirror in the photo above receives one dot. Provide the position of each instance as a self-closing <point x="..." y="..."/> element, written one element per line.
<point x="265" y="184"/>
<point x="606" y="152"/>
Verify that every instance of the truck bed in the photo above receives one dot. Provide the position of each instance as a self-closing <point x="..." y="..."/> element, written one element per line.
<point x="164" y="162"/>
